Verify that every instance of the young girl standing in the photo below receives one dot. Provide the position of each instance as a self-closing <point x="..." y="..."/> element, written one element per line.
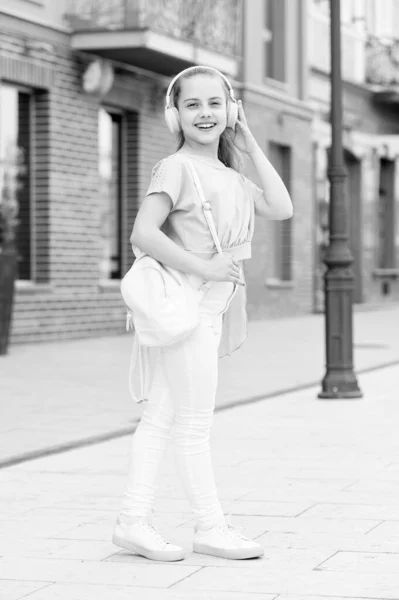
<point x="181" y="379"/>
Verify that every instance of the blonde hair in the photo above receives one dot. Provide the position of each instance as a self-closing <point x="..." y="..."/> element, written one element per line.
<point x="228" y="154"/>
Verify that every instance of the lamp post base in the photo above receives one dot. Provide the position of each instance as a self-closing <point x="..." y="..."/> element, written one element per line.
<point x="339" y="380"/>
<point x="338" y="384"/>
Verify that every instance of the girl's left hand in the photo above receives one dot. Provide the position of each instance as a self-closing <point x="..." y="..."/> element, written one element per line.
<point x="241" y="136"/>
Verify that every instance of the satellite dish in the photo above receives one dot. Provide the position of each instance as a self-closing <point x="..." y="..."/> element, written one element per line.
<point x="98" y="77"/>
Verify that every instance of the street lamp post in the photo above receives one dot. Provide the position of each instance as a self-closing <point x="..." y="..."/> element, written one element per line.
<point x="339" y="380"/>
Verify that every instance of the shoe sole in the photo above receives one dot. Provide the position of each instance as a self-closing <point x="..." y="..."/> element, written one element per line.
<point x="225" y="553"/>
<point x="166" y="555"/>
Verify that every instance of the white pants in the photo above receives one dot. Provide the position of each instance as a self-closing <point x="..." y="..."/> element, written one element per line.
<point x="182" y="402"/>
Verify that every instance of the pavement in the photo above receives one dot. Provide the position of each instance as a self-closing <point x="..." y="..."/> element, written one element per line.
<point x="316" y="482"/>
<point x="67" y="394"/>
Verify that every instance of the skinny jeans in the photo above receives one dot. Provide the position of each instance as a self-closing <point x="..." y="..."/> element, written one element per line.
<point x="180" y="408"/>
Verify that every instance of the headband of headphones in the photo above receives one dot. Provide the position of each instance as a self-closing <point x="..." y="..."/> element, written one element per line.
<point x="168" y="93"/>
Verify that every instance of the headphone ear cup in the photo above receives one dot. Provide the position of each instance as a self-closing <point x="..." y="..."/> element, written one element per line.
<point x="172" y="119"/>
<point x="232" y="114"/>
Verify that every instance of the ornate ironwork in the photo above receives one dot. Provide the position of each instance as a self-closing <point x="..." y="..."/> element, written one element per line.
<point x="382" y="62"/>
<point x="213" y="24"/>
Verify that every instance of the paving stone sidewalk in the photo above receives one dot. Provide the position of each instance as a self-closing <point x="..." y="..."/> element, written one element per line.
<point x="70" y="392"/>
<point x="315" y="482"/>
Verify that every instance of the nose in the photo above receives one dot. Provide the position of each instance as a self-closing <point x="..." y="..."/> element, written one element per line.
<point x="206" y="110"/>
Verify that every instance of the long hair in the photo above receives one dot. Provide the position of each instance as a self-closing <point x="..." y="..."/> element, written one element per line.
<point x="228" y="154"/>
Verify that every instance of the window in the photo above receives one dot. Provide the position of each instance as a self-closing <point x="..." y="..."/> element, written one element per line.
<point x="16" y="107"/>
<point x="280" y="157"/>
<point x="110" y="171"/>
<point x="274" y="39"/>
<point x="383" y="18"/>
<point x="386" y="215"/>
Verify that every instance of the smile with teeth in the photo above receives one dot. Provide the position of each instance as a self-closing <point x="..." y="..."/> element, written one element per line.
<point x="205" y="125"/>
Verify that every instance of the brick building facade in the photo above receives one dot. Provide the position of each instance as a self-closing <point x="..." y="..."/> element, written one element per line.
<point x="65" y="292"/>
<point x="84" y="160"/>
<point x="75" y="245"/>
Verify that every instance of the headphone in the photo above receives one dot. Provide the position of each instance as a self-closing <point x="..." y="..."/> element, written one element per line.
<point x="172" y="116"/>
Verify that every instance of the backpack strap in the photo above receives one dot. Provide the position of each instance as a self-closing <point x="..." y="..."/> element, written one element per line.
<point x="206" y="207"/>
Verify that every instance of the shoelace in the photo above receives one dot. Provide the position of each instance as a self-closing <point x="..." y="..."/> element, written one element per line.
<point x="154" y="532"/>
<point x="234" y="532"/>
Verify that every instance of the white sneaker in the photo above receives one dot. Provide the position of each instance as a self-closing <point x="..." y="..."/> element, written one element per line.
<point x="141" y="537"/>
<point x="225" y="541"/>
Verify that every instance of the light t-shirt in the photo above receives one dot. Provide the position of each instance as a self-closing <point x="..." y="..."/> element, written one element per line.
<point x="232" y="197"/>
<point x="230" y="194"/>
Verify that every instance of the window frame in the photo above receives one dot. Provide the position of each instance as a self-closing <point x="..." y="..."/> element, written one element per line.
<point x="268" y="40"/>
<point x="285" y="227"/>
<point x="386" y="246"/>
<point x="32" y="181"/>
<point x="106" y="282"/>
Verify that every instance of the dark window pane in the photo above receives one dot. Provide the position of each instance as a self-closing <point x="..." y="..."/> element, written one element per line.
<point x="280" y="157"/>
<point x="24" y="187"/>
<point x="275" y="47"/>
<point x="270" y="44"/>
<point x="386" y="205"/>
<point x="15" y="153"/>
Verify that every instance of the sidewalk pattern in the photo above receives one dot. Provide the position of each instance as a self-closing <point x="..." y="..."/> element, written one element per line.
<point x="315" y="482"/>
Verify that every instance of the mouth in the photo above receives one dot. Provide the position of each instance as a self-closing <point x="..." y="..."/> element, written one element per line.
<point x="205" y="126"/>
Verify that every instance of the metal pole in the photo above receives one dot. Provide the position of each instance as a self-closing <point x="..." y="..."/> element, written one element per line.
<point x="339" y="380"/>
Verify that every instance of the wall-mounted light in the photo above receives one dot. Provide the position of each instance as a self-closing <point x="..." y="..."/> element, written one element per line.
<point x="98" y="77"/>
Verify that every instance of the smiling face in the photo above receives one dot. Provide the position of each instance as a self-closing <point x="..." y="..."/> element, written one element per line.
<point x="202" y="105"/>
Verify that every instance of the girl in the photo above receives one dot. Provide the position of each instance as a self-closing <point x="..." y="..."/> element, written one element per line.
<point x="181" y="388"/>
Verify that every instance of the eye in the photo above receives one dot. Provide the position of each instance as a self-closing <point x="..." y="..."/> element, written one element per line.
<point x="216" y="103"/>
<point x="192" y="104"/>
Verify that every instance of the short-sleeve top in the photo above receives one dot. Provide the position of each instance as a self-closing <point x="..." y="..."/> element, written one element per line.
<point x="230" y="194"/>
<point x="232" y="197"/>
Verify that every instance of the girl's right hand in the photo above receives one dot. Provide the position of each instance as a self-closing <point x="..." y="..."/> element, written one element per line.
<point x="223" y="267"/>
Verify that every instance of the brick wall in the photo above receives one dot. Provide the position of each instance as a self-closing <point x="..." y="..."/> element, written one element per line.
<point x="68" y="299"/>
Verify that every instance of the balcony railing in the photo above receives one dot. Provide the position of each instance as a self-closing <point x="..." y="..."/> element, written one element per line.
<point x="383" y="62"/>
<point x="211" y="24"/>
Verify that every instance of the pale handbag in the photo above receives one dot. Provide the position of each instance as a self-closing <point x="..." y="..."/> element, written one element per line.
<point x="163" y="307"/>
